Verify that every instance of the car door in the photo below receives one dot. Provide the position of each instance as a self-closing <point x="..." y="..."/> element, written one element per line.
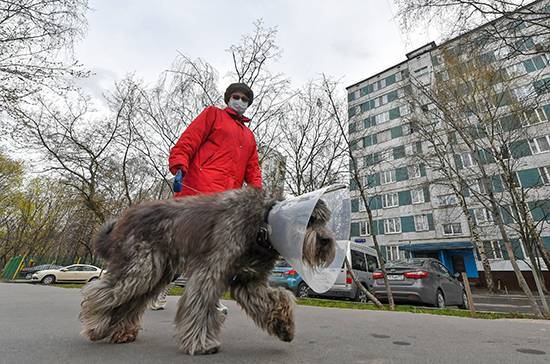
<point x="359" y="265"/>
<point x="86" y="272"/>
<point x="447" y="284"/>
<point x="341" y="278"/>
<point x="372" y="266"/>
<point x="68" y="274"/>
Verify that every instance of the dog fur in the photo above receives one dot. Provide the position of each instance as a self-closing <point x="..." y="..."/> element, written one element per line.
<point x="213" y="239"/>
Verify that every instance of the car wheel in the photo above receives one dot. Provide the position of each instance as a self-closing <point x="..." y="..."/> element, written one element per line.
<point x="93" y="279"/>
<point x="464" y="304"/>
<point x="361" y="296"/>
<point x="302" y="291"/>
<point x="439" y="299"/>
<point x="48" y="279"/>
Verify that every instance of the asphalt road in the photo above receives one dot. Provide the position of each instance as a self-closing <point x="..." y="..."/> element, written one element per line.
<point x="39" y="325"/>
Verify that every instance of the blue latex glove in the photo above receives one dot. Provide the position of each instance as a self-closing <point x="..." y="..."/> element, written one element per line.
<point x="178" y="178"/>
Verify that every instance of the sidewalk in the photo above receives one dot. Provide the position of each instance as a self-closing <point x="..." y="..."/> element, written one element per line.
<point x="501" y="302"/>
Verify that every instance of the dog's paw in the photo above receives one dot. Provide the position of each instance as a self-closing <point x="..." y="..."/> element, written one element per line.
<point x="122" y="337"/>
<point x="208" y="351"/>
<point x="283" y="330"/>
<point x="210" y="348"/>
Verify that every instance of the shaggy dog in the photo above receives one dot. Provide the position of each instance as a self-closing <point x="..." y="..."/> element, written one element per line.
<point x="221" y="244"/>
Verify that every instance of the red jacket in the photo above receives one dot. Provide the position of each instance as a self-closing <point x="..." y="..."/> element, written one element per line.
<point x="217" y="152"/>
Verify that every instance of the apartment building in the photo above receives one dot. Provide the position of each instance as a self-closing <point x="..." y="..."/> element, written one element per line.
<point x="414" y="215"/>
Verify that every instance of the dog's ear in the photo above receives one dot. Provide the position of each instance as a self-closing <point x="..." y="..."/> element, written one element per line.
<point x="320" y="215"/>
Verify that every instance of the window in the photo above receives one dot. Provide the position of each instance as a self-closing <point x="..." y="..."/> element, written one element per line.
<point x="383" y="136"/>
<point x="438" y="267"/>
<point x="398" y="77"/>
<point x="417" y="195"/>
<point x="545" y="175"/>
<point x="393" y="252"/>
<point x="515" y="70"/>
<point x="358" y="260"/>
<point x="504" y="151"/>
<point x="421" y="223"/>
<point x="382" y="118"/>
<point x="364" y="228"/>
<point x="452" y="229"/>
<point x="413" y="149"/>
<point x="483" y="215"/>
<point x="414" y="171"/>
<point x="540" y="145"/>
<point x="502" y="53"/>
<point x="524" y="92"/>
<point x="372" y="263"/>
<point x="447" y="200"/>
<point x="467" y="160"/>
<point x="534" y="117"/>
<point x="493" y="249"/>
<point x="362" y="207"/>
<point x="390" y="200"/>
<point x="392" y="226"/>
<point x="421" y="71"/>
<point x="387" y="177"/>
<point x="478" y="187"/>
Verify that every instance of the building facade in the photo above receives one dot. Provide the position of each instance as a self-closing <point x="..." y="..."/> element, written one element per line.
<point x="415" y="215"/>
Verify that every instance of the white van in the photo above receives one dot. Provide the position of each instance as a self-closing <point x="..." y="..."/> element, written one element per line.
<point x="364" y="261"/>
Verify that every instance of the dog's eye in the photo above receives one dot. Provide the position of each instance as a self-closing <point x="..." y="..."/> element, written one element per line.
<point x="326" y="241"/>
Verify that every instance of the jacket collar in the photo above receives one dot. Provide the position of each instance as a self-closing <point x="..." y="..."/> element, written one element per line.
<point x="236" y="116"/>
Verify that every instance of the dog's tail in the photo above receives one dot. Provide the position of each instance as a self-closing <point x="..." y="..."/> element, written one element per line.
<point x="103" y="242"/>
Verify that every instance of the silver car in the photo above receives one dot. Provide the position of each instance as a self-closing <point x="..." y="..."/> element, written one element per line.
<point x="364" y="262"/>
<point x="422" y="280"/>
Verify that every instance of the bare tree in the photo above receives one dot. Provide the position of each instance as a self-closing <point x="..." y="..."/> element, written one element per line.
<point x="474" y="106"/>
<point x="33" y="36"/>
<point x="252" y="58"/>
<point x="337" y="110"/>
<point x="459" y="16"/>
<point x="72" y="144"/>
<point x="311" y="142"/>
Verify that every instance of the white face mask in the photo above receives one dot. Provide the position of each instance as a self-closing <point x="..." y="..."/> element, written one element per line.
<point x="238" y="105"/>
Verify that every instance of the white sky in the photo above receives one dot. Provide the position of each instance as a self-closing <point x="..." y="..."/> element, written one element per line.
<point x="348" y="39"/>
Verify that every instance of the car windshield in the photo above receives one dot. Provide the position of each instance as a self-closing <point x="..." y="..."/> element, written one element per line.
<point x="282" y="264"/>
<point x="406" y="263"/>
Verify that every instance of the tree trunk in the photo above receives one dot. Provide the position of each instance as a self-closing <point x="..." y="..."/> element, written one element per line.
<point x="379" y="253"/>
<point x="537" y="274"/>
<point x="490" y="283"/>
<point x="508" y="245"/>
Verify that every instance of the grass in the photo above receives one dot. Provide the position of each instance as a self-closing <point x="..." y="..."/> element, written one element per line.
<point x="177" y="291"/>
<point x="411" y="309"/>
<point x="68" y="285"/>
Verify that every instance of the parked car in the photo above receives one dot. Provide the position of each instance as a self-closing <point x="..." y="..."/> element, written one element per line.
<point x="26" y="273"/>
<point x="422" y="280"/>
<point x="71" y="273"/>
<point x="283" y="275"/>
<point x="181" y="281"/>
<point x="364" y="262"/>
